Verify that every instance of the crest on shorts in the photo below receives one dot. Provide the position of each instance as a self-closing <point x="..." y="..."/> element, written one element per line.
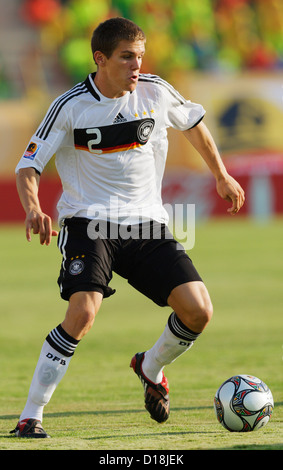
<point x="76" y="267"/>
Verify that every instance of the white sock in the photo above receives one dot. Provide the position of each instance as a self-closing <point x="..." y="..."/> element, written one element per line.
<point x="54" y="359"/>
<point x="174" y="341"/>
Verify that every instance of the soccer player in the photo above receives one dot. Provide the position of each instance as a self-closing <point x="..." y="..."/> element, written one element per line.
<point x="109" y="136"/>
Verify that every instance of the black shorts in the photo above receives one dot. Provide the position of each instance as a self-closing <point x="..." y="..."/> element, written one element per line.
<point x="146" y="255"/>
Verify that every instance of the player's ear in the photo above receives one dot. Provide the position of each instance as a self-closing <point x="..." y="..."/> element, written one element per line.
<point x="99" y="58"/>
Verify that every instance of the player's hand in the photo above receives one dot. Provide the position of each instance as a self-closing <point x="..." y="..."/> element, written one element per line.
<point x="229" y="189"/>
<point x="41" y="224"/>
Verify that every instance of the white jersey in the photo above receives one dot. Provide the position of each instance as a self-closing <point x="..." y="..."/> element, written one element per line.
<point x="111" y="153"/>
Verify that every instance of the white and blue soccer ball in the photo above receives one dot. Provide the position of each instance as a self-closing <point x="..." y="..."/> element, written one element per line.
<point x="243" y="403"/>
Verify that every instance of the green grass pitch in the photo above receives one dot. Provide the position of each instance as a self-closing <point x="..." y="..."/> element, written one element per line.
<point x="99" y="403"/>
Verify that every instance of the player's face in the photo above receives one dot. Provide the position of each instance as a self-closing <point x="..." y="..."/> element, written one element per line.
<point x="121" y="70"/>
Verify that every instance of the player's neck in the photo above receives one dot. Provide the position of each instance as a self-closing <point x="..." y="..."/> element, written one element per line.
<point x="106" y="88"/>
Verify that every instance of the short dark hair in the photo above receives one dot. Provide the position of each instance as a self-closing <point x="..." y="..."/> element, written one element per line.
<point x="108" y="34"/>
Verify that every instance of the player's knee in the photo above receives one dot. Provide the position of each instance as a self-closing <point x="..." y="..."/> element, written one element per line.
<point x="78" y="321"/>
<point x="198" y="317"/>
<point x="202" y="315"/>
<point x="81" y="314"/>
<point x="85" y="320"/>
<point x="205" y="313"/>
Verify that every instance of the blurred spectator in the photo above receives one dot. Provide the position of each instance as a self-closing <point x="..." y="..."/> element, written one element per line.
<point x="6" y="90"/>
<point x="182" y="34"/>
<point x="40" y="12"/>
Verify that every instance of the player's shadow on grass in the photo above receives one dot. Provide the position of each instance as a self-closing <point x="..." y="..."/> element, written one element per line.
<point x="103" y="412"/>
<point x="111" y="412"/>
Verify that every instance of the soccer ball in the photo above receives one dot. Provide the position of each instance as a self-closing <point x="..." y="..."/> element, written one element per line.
<point x="243" y="403"/>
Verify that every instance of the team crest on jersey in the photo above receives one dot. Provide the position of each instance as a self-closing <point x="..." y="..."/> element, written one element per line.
<point x="32" y="150"/>
<point x="144" y="130"/>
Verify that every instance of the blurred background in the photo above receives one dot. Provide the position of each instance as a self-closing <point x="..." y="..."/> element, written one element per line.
<point x="225" y="54"/>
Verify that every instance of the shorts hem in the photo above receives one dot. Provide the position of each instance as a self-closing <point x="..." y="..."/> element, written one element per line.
<point x="104" y="290"/>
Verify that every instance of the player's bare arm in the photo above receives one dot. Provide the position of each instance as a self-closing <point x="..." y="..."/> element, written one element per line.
<point x="227" y="187"/>
<point x="36" y="220"/>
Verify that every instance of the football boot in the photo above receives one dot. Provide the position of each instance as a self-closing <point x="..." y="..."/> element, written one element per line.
<point x="156" y="395"/>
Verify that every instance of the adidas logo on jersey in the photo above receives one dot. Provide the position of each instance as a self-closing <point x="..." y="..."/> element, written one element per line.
<point x="119" y="118"/>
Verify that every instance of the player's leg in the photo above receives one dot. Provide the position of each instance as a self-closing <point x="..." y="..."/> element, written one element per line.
<point x="80" y="315"/>
<point x="83" y="280"/>
<point x="192" y="304"/>
<point x="55" y="356"/>
<point x="166" y="275"/>
<point x="192" y="312"/>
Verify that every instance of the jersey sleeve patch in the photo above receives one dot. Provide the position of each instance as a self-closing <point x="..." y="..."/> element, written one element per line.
<point x="32" y="151"/>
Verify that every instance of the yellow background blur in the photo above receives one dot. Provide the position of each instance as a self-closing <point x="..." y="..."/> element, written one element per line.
<point x="225" y="54"/>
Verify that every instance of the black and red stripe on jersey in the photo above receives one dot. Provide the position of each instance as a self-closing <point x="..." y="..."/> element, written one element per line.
<point x="114" y="138"/>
